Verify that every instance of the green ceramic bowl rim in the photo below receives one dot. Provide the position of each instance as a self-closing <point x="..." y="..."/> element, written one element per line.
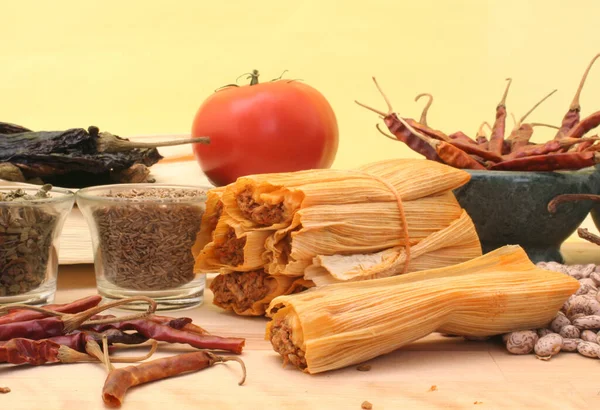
<point x="582" y="171"/>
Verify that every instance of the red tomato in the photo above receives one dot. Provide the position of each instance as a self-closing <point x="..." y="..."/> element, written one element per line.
<point x="279" y="126"/>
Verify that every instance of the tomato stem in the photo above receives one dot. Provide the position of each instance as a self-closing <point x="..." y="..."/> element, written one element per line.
<point x="254" y="77"/>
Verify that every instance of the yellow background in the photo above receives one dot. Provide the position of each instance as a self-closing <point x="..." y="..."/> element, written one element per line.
<point x="143" y="67"/>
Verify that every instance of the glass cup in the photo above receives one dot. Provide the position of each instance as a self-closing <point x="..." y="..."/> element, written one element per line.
<point x="143" y="236"/>
<point x="29" y="243"/>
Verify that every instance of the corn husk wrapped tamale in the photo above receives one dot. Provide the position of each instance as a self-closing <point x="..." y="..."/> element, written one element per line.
<point x="454" y="244"/>
<point x="270" y="201"/>
<point x="334" y="326"/>
<point x="249" y="293"/>
<point x="232" y="249"/>
<point x="296" y="218"/>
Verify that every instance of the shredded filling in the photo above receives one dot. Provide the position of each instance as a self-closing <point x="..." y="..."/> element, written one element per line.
<point x="281" y="339"/>
<point x="231" y="251"/>
<point x="239" y="289"/>
<point x="262" y="214"/>
<point x="214" y="219"/>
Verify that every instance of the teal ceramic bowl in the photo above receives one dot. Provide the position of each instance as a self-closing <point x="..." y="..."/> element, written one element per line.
<point x="510" y="208"/>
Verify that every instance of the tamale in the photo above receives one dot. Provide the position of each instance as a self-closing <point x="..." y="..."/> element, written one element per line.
<point x="454" y="244"/>
<point x="270" y="201"/>
<point x="232" y="248"/>
<point x="357" y="229"/>
<point x="334" y="326"/>
<point x="249" y="293"/>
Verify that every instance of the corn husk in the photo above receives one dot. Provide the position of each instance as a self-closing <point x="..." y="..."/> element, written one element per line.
<point x="235" y="295"/>
<point x="343" y="324"/>
<point x="210" y="218"/>
<point x="227" y="235"/>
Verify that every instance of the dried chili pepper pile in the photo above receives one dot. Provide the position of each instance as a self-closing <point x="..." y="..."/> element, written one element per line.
<point x="75" y="332"/>
<point x="569" y="149"/>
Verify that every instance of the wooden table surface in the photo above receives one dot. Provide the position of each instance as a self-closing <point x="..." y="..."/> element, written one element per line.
<point x="465" y="374"/>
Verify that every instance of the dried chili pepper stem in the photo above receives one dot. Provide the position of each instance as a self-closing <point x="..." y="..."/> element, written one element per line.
<point x="481" y="137"/>
<point x="571" y="118"/>
<point x="541" y="124"/>
<point x="68" y="355"/>
<point x="223" y="359"/>
<point x="518" y="124"/>
<point x="480" y="130"/>
<point x="108" y="142"/>
<point x="575" y="103"/>
<point x="497" y="137"/>
<point x="130" y="359"/>
<point x="385" y="134"/>
<point x="423" y="119"/>
<point x="560" y="199"/>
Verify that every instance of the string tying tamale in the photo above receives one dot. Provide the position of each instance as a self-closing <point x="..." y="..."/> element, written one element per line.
<point x="249" y="293"/>
<point x="334" y="326"/>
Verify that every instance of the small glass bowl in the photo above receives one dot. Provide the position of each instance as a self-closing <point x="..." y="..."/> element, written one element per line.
<point x="143" y="235"/>
<point x="29" y="244"/>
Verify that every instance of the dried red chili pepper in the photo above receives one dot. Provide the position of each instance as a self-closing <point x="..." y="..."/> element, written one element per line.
<point x="553" y="146"/>
<point x="571" y="118"/>
<point x="497" y="138"/>
<point x="38" y="352"/>
<point x="553" y="162"/>
<point x="179" y="323"/>
<point x="584" y="126"/>
<point x="438" y="135"/>
<point x="560" y="199"/>
<point x="164" y="333"/>
<point x="462" y="137"/>
<point x="426" y="145"/>
<point x="79" y="305"/>
<point x="401" y="133"/>
<point x="77" y="341"/>
<point x="448" y="153"/>
<point x="476" y="150"/>
<point x="119" y="381"/>
<point x="61" y="349"/>
<point x="64" y="323"/>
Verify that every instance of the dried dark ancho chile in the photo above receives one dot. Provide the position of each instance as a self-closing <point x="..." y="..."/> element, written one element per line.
<point x="68" y="158"/>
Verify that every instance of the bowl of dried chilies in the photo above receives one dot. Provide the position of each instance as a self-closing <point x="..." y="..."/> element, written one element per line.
<point x="514" y="179"/>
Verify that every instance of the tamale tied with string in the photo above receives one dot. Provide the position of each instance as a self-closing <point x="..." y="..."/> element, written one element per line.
<point x="328" y="226"/>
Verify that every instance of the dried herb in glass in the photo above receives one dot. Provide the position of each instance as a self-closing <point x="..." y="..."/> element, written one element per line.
<point x="25" y="241"/>
<point x="147" y="245"/>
